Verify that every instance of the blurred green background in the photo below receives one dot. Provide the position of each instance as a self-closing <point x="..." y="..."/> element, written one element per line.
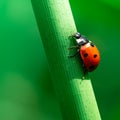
<point x="26" y="91"/>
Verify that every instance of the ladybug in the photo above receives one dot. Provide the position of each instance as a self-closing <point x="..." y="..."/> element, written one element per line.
<point x="88" y="52"/>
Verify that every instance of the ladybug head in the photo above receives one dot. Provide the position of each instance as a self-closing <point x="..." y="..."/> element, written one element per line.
<point x="77" y="35"/>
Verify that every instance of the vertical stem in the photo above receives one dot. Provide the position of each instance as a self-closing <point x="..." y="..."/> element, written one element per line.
<point x="76" y="96"/>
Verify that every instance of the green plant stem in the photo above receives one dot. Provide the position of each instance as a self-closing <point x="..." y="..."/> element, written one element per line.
<point x="76" y="96"/>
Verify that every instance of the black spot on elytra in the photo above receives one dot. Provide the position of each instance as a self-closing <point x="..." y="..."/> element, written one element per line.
<point x="85" y="55"/>
<point x="95" y="56"/>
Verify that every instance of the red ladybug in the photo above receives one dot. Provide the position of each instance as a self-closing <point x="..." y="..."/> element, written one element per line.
<point x="88" y="52"/>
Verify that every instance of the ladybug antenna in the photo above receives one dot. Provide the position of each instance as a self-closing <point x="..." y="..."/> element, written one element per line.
<point x="77" y="35"/>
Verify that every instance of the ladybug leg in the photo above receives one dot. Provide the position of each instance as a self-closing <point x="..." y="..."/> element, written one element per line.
<point x="72" y="47"/>
<point x="71" y="37"/>
<point x="84" y="72"/>
<point x="70" y="56"/>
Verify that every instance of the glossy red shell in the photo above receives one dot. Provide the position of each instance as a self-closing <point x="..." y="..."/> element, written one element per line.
<point x="90" y="56"/>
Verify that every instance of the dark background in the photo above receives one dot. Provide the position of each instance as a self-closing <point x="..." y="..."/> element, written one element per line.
<point x="26" y="91"/>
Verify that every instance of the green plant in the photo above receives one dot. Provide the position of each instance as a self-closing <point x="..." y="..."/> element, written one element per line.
<point x="76" y="96"/>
